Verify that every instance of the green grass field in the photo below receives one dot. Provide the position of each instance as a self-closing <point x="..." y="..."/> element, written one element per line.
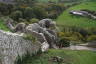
<point x="68" y="56"/>
<point x="67" y="19"/>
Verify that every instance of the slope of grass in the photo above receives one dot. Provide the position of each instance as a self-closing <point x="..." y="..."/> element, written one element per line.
<point x="67" y="19"/>
<point x="3" y="26"/>
<point x="68" y="56"/>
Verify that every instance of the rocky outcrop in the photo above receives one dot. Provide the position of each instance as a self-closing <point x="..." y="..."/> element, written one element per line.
<point x="13" y="45"/>
<point x="44" y="31"/>
<point x="18" y="28"/>
<point x="84" y="13"/>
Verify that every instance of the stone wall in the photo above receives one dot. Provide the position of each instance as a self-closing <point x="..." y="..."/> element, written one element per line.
<point x="13" y="45"/>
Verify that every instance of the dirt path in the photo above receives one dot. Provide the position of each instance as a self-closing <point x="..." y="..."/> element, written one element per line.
<point x="77" y="47"/>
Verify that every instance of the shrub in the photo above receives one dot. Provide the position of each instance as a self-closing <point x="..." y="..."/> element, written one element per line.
<point x="16" y="15"/>
<point x="6" y="9"/>
<point x="28" y="13"/>
<point x="39" y="12"/>
<point x="61" y="34"/>
<point x="30" y="37"/>
<point x="33" y="20"/>
<point x="22" y="20"/>
<point x="83" y="31"/>
<point x="54" y="10"/>
<point x="92" y="30"/>
<point x="63" y="42"/>
<point x="72" y="36"/>
<point x="91" y="38"/>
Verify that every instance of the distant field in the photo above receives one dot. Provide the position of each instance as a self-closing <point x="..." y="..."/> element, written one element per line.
<point x="68" y="56"/>
<point x="65" y="19"/>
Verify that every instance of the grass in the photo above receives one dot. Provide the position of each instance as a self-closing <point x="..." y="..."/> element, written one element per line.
<point x="3" y="26"/>
<point x="68" y="56"/>
<point x="66" y="19"/>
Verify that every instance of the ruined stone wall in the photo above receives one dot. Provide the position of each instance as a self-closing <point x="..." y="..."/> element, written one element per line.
<point x="13" y="45"/>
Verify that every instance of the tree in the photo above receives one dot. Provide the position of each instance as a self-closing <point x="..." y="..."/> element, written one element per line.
<point x="33" y="20"/>
<point x="28" y="13"/>
<point x="6" y="9"/>
<point x="16" y="15"/>
<point x="28" y="2"/>
<point x="55" y="10"/>
<point x="39" y="12"/>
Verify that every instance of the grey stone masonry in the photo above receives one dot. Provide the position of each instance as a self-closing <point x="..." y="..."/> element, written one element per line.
<point x="13" y="45"/>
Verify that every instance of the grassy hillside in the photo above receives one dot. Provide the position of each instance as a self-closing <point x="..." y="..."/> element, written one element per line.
<point x="67" y="19"/>
<point x="68" y="56"/>
<point x="3" y="26"/>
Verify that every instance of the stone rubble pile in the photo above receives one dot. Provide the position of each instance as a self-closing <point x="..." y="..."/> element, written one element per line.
<point x="45" y="31"/>
<point x="13" y="45"/>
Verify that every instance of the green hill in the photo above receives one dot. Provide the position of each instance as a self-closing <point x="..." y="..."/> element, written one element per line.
<point x="66" y="19"/>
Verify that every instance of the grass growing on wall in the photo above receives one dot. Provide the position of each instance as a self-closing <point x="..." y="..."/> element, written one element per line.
<point x="3" y="26"/>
